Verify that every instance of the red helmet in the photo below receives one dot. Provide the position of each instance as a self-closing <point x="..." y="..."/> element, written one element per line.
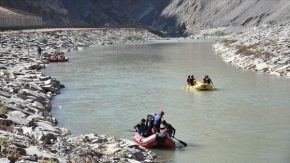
<point x="161" y="112"/>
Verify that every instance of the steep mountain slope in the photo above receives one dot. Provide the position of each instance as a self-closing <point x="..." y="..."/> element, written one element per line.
<point x="191" y="14"/>
<point x="52" y="11"/>
<point x="179" y="15"/>
<point x="113" y="12"/>
<point x="167" y="15"/>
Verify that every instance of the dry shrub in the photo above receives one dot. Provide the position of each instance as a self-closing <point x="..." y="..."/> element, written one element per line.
<point x="228" y="42"/>
<point x="253" y="46"/>
<point x="263" y="55"/>
<point x="243" y="50"/>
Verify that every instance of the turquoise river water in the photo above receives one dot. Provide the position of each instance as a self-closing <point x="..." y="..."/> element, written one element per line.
<point x="108" y="89"/>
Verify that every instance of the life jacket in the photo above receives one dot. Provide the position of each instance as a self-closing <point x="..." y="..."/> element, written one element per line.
<point x="157" y="120"/>
<point x="142" y="127"/>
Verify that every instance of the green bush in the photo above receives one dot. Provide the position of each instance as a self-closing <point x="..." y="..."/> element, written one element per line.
<point x="215" y="34"/>
<point x="3" y="109"/>
<point x="83" y="34"/>
<point x="124" y="154"/>
<point x="6" y="73"/>
<point x="135" y="38"/>
<point x="5" y="142"/>
<point x="43" y="40"/>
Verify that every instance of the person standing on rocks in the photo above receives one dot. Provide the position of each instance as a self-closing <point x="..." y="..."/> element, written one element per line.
<point x="39" y="50"/>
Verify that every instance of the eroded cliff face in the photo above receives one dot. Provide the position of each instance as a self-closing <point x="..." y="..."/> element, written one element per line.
<point x="200" y="14"/>
<point x="166" y="15"/>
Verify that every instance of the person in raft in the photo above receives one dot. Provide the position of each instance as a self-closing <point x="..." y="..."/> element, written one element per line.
<point x="62" y="57"/>
<point x="141" y="128"/>
<point x="207" y="80"/>
<point x="157" y="121"/>
<point x="149" y="124"/>
<point x="55" y="56"/>
<point x="188" y="80"/>
<point x="168" y="129"/>
<point x="192" y="80"/>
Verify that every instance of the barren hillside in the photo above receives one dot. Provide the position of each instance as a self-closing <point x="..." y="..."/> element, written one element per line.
<point x="166" y="15"/>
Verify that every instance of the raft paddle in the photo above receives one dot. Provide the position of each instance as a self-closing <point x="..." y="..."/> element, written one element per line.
<point x="213" y="85"/>
<point x="182" y="142"/>
<point x="134" y="130"/>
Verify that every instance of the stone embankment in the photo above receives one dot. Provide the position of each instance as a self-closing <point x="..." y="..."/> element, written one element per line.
<point x="264" y="49"/>
<point x="28" y="133"/>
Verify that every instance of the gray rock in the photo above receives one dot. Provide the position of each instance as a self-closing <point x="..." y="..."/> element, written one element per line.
<point x="5" y="94"/>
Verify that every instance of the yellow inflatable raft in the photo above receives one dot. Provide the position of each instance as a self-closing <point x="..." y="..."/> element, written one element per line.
<point x="199" y="86"/>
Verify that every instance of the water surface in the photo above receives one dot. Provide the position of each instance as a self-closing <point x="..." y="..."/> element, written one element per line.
<point x="110" y="88"/>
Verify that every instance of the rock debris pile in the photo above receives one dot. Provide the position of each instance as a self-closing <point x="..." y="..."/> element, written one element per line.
<point x="264" y="49"/>
<point x="28" y="133"/>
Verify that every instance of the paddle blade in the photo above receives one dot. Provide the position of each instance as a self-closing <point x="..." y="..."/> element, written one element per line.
<point x="181" y="142"/>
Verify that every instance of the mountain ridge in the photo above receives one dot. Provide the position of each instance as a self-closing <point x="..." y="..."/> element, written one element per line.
<point x="172" y="16"/>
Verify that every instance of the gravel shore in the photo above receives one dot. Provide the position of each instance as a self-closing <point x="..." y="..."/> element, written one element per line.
<point x="28" y="133"/>
<point x="264" y="49"/>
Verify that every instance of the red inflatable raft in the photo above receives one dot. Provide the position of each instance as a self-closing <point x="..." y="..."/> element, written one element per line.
<point x="58" y="60"/>
<point x="158" y="139"/>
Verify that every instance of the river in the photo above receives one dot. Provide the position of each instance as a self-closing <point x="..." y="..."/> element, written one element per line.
<point x="108" y="89"/>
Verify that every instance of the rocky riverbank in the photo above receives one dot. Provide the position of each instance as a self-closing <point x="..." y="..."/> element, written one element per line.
<point x="28" y="133"/>
<point x="264" y="49"/>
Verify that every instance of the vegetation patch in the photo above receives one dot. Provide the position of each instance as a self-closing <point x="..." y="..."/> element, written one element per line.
<point x="215" y="34"/>
<point x="124" y="155"/>
<point x="163" y="34"/>
<point x="43" y="40"/>
<point x="5" y="142"/>
<point x="83" y="34"/>
<point x="239" y="33"/>
<point x="135" y="38"/>
<point x="263" y="55"/>
<point x="243" y="50"/>
<point x="6" y="73"/>
<point x="47" y="160"/>
<point x="11" y="154"/>
<point x="227" y="42"/>
<point x="3" y="109"/>
<point x="246" y="51"/>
